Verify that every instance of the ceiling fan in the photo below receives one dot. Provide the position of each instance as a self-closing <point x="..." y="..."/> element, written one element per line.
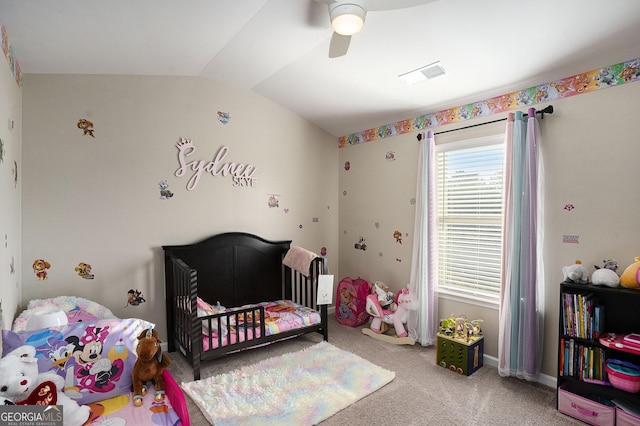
<point x="347" y="18"/>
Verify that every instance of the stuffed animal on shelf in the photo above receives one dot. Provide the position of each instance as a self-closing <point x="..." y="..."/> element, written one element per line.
<point x="149" y="366"/>
<point x="21" y="383"/>
<point x="609" y="264"/>
<point x="606" y="275"/>
<point x="576" y="273"/>
<point x="630" y="278"/>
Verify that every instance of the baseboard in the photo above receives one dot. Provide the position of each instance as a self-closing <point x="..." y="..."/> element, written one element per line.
<point x="547" y="380"/>
<point x="543" y="379"/>
<point x="490" y="361"/>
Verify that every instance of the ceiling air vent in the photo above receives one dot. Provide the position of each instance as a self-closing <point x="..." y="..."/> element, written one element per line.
<point x="425" y="73"/>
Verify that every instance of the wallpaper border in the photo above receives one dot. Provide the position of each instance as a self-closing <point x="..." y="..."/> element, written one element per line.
<point x="614" y="75"/>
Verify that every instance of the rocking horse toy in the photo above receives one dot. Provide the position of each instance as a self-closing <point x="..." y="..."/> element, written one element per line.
<point x="404" y="302"/>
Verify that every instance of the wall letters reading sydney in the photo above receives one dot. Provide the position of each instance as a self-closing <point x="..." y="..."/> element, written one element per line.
<point x="242" y="174"/>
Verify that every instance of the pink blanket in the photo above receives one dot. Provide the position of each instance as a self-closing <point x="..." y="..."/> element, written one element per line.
<point x="299" y="259"/>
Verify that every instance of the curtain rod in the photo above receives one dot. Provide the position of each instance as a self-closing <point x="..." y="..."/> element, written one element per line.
<point x="542" y="112"/>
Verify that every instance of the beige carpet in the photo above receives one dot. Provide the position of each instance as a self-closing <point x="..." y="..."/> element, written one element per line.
<point x="422" y="393"/>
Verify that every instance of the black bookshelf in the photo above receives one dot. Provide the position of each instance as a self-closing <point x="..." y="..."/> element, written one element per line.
<point x="621" y="316"/>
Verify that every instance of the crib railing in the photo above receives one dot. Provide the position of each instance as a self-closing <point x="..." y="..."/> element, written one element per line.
<point x="304" y="289"/>
<point x="184" y="327"/>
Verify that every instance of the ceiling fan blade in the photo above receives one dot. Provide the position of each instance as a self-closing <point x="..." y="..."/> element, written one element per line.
<point x="317" y="14"/>
<point x="377" y="5"/>
<point x="339" y="45"/>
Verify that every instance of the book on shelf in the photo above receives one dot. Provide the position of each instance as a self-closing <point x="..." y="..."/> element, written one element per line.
<point x="562" y="358"/>
<point x="582" y="315"/>
<point x="582" y="361"/>
<point x="599" y="321"/>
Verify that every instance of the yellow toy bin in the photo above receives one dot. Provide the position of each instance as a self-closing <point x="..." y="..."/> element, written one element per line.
<point x="458" y="354"/>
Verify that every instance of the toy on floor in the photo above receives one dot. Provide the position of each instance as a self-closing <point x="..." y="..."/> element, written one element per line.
<point x="21" y="383"/>
<point x="149" y="366"/>
<point x="459" y="327"/>
<point x="404" y="302"/>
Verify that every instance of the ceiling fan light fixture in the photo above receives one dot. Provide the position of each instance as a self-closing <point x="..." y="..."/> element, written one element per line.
<point x="347" y="18"/>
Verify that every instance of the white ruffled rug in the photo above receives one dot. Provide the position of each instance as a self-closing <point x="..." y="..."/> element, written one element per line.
<point x="299" y="388"/>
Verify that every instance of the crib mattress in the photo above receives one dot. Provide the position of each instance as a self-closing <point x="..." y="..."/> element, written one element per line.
<point x="280" y="316"/>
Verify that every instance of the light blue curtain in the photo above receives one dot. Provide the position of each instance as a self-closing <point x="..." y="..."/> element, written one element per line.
<point x="521" y="295"/>
<point x="421" y="323"/>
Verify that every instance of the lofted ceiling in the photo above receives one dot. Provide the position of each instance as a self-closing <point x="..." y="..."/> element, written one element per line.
<point x="280" y="48"/>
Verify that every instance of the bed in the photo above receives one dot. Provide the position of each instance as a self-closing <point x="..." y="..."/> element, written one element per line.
<point x="232" y="292"/>
<point x="93" y="332"/>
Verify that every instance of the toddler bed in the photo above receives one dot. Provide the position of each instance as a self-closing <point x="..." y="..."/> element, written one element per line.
<point x="232" y="292"/>
<point x="94" y="353"/>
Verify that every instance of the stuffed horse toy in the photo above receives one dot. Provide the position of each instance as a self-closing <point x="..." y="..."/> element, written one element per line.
<point x="149" y="366"/>
<point x="405" y="301"/>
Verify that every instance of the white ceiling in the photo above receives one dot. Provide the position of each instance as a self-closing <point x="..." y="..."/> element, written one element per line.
<point x="279" y="48"/>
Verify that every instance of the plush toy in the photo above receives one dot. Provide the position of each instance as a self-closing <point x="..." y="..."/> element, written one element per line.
<point x="576" y="273"/>
<point x="609" y="264"/>
<point x="405" y="301"/>
<point x="21" y="383"/>
<point x="149" y="366"/>
<point x="606" y="277"/>
<point x="630" y="278"/>
<point x="385" y="297"/>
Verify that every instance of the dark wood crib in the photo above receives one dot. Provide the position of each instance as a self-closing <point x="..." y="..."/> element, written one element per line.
<point x="235" y="269"/>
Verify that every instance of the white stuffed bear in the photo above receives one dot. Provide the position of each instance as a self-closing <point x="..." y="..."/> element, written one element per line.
<point x="576" y="273"/>
<point x="19" y="378"/>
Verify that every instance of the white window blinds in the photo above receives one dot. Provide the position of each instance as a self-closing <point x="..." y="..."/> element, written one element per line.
<point x="469" y="209"/>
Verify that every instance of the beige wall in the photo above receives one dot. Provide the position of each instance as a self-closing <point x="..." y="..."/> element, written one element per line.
<point x="10" y="190"/>
<point x="591" y="152"/>
<point x="96" y="200"/>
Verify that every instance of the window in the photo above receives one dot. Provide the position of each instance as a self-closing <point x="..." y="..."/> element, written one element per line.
<point x="469" y="177"/>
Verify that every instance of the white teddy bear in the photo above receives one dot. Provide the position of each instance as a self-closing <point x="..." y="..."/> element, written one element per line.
<point x="19" y="378"/>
